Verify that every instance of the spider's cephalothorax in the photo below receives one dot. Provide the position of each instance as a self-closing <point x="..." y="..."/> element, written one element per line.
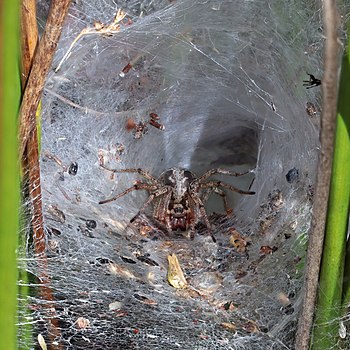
<point x="179" y="195"/>
<point x="178" y="214"/>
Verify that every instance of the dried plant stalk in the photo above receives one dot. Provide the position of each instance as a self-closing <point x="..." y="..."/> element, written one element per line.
<point x="29" y="151"/>
<point x="29" y="38"/>
<point x="30" y="161"/>
<point x="41" y="65"/>
<point x="99" y="28"/>
<point x="329" y="112"/>
<point x="36" y="69"/>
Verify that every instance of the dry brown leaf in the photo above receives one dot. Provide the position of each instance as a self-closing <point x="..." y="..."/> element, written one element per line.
<point x="239" y="243"/>
<point x="229" y="326"/>
<point x="175" y="275"/>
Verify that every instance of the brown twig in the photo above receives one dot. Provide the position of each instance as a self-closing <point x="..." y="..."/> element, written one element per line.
<point x="29" y="149"/>
<point x="328" y="124"/>
<point x="30" y="160"/>
<point x="41" y="65"/>
<point x="29" y="38"/>
<point x="36" y="69"/>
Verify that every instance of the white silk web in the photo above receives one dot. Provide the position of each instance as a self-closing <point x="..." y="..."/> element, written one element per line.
<point x="225" y="79"/>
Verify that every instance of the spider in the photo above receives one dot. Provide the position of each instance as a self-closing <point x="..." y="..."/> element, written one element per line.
<point x="179" y="196"/>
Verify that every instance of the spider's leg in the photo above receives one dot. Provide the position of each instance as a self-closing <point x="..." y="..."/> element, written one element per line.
<point x="138" y="186"/>
<point x="215" y="184"/>
<point x="193" y="219"/>
<point x="161" y="190"/>
<point x="160" y="211"/>
<point x="147" y="203"/>
<point x="162" y="195"/>
<point x="160" y="207"/>
<point x="221" y="171"/>
<point x="167" y="223"/>
<point x="207" y="194"/>
<point x="140" y="171"/>
<point x="221" y="193"/>
<point x="192" y="229"/>
<point x="156" y="193"/>
<point x="156" y="209"/>
<point x="224" y="198"/>
<point x="203" y="213"/>
<point x="205" y="217"/>
<point x="163" y="206"/>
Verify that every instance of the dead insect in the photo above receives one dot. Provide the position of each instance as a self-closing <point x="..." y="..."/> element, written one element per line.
<point x="130" y="124"/>
<point x="113" y="152"/>
<point x="312" y="82"/>
<point x="239" y="243"/>
<point x="154" y="116"/>
<point x="56" y="214"/>
<point x="91" y="224"/>
<point x="73" y="168"/>
<point x="311" y="109"/>
<point x="119" y="149"/>
<point x="266" y="249"/>
<point x="138" y="129"/>
<point x="153" y="121"/>
<point x="292" y="175"/>
<point x="157" y="125"/>
<point x="179" y="196"/>
<point x="126" y="69"/>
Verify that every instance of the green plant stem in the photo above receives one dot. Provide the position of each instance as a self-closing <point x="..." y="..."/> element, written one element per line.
<point x="329" y="306"/>
<point x="344" y="111"/>
<point x="10" y="94"/>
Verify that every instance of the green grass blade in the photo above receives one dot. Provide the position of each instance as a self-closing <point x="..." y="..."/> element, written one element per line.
<point x="329" y="304"/>
<point x="345" y="112"/>
<point x="10" y="94"/>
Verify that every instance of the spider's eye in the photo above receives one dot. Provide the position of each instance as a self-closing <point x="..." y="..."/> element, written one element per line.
<point x="188" y="175"/>
<point x="168" y="177"/>
<point x="178" y="209"/>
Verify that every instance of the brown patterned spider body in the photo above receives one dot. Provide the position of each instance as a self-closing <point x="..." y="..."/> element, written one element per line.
<point x="179" y="195"/>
